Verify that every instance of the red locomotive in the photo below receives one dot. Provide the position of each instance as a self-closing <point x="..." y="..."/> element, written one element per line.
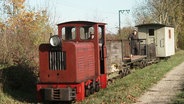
<point x="73" y="65"/>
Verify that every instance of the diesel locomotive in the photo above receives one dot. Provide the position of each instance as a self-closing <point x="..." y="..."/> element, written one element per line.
<point x="73" y="65"/>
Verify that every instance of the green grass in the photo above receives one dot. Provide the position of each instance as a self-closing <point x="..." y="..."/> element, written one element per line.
<point x="179" y="99"/>
<point x="129" y="88"/>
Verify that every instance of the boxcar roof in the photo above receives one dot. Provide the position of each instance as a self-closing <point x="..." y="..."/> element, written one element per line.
<point x="81" y="22"/>
<point x="152" y="24"/>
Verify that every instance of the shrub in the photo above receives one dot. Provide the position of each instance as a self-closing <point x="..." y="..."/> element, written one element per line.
<point x="22" y="78"/>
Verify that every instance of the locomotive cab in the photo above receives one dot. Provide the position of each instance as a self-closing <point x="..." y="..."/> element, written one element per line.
<point x="72" y="66"/>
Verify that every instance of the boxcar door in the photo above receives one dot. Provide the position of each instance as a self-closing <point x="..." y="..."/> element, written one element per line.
<point x="151" y="52"/>
<point x="160" y="43"/>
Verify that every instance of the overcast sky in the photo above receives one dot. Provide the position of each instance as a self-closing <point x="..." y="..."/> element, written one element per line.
<point x="91" y="10"/>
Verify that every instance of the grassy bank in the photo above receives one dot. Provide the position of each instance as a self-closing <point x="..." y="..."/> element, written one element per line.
<point x="127" y="89"/>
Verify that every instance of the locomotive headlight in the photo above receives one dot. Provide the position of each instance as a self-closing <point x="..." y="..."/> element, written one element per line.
<point x="55" y="40"/>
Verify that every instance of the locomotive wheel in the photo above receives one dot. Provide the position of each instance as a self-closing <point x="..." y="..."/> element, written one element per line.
<point x="87" y="92"/>
<point x="127" y="71"/>
<point x="124" y="72"/>
<point x="92" y="90"/>
<point x="145" y="64"/>
<point x="97" y="87"/>
<point x="121" y="73"/>
<point x="141" y="65"/>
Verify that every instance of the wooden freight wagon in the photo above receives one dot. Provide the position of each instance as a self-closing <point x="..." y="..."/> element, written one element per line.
<point x="118" y="54"/>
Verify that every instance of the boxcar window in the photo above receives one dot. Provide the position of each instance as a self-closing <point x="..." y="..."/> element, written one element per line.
<point x="169" y="31"/>
<point x="151" y="32"/>
<point x="86" y="32"/>
<point x="68" y="33"/>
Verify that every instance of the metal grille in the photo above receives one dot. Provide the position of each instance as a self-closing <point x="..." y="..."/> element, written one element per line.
<point x="57" y="60"/>
<point x="59" y="94"/>
<point x="56" y="94"/>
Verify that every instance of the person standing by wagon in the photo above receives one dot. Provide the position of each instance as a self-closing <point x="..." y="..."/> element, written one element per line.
<point x="133" y="39"/>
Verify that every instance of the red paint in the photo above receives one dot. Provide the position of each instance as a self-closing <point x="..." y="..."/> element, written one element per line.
<point x="103" y="81"/>
<point x="80" y="64"/>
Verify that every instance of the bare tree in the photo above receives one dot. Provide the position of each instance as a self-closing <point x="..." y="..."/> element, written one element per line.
<point x="169" y="12"/>
<point x="142" y="12"/>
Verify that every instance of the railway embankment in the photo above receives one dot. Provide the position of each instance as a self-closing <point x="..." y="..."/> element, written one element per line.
<point x="126" y="90"/>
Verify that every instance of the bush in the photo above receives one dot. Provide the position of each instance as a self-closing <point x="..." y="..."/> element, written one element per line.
<point x="19" y="82"/>
<point x="19" y="77"/>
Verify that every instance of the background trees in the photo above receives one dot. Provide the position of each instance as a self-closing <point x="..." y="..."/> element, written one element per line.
<point x="22" y="30"/>
<point x="169" y="12"/>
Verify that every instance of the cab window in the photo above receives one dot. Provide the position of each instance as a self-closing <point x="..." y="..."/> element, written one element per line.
<point x="86" y="32"/>
<point x="68" y="33"/>
<point x="101" y="34"/>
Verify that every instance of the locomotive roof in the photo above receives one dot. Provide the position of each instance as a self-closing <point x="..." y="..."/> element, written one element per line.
<point x="81" y="22"/>
<point x="153" y="24"/>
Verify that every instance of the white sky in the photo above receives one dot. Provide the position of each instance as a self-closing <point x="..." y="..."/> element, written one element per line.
<point x="91" y="10"/>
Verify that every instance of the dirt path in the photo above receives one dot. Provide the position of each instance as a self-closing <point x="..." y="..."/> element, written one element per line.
<point x="165" y="89"/>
